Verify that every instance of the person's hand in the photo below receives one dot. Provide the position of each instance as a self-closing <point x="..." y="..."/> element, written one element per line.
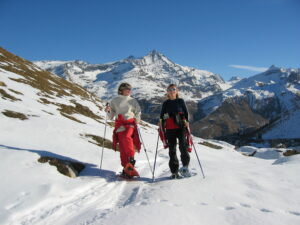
<point x="186" y="123"/>
<point x="137" y="121"/>
<point x="107" y="108"/>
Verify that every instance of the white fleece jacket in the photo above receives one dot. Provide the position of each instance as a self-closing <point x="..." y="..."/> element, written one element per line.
<point x="125" y="105"/>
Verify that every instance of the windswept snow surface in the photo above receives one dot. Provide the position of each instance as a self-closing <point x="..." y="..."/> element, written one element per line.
<point x="237" y="189"/>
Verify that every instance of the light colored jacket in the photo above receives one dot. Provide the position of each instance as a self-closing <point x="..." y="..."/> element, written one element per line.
<point x="127" y="106"/>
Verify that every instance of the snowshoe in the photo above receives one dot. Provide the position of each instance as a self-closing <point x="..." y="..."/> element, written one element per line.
<point x="184" y="171"/>
<point x="175" y="176"/>
<point x="129" y="171"/>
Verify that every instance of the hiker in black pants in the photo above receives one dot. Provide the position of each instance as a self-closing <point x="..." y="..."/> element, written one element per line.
<point x="174" y="120"/>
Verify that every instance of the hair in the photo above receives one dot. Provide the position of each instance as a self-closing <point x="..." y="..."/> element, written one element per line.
<point x="123" y="87"/>
<point x="173" y="86"/>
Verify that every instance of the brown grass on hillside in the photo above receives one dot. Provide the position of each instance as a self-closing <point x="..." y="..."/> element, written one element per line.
<point x="39" y="79"/>
<point x="71" y="118"/>
<point x="16" y="92"/>
<point x="5" y="95"/>
<point x="14" y="114"/>
<point x="97" y="140"/>
<point x="210" y="145"/>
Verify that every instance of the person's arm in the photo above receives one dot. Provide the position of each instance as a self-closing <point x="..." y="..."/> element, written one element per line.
<point x="137" y="112"/>
<point x="163" y="111"/>
<point x="112" y="111"/>
<point x="185" y="111"/>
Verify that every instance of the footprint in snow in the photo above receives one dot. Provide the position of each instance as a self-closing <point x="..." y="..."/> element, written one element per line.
<point x="203" y="203"/>
<point x="245" y="205"/>
<point x="227" y="208"/>
<point x="265" y="210"/>
<point x="294" y="213"/>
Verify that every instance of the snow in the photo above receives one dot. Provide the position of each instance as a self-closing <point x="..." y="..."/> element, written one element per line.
<point x="48" y="64"/>
<point x="237" y="189"/>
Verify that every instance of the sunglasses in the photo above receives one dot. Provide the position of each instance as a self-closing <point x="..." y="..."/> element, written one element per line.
<point x="171" y="89"/>
<point x="123" y="89"/>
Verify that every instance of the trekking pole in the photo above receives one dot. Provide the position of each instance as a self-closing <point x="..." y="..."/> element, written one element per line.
<point x="155" y="157"/>
<point x="107" y="104"/>
<point x="145" y="149"/>
<point x="189" y="131"/>
<point x="198" y="160"/>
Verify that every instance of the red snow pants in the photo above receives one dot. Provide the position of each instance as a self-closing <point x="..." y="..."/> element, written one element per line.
<point x="126" y="144"/>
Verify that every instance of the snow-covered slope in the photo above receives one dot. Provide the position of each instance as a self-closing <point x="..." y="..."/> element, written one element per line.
<point x="149" y="75"/>
<point x="237" y="189"/>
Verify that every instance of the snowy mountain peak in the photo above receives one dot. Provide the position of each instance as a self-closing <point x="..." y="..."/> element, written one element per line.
<point x="154" y="70"/>
<point x="274" y="69"/>
<point x="156" y="58"/>
<point x="235" y="78"/>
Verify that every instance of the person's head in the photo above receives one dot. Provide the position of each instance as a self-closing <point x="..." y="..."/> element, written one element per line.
<point x="172" y="91"/>
<point x="124" y="89"/>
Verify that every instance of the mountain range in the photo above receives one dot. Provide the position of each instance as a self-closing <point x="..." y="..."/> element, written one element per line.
<point x="238" y="110"/>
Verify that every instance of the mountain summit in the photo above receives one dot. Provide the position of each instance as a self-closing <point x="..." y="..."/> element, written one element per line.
<point x="154" y="71"/>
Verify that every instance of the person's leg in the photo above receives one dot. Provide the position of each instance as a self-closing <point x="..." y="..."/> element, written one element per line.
<point x="173" y="163"/>
<point x="126" y="145"/>
<point x="184" y="155"/>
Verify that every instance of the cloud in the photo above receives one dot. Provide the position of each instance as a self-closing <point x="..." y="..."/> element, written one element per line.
<point x="251" y="68"/>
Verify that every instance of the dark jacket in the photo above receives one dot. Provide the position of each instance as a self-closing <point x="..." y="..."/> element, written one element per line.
<point x="174" y="111"/>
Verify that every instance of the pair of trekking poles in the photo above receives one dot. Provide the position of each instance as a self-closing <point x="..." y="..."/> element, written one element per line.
<point x="152" y="170"/>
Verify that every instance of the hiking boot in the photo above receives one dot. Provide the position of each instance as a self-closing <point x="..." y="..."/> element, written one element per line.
<point x="184" y="171"/>
<point x="132" y="161"/>
<point x="125" y="175"/>
<point x="175" y="176"/>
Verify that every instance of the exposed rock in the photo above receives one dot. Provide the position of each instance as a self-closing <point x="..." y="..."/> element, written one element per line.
<point x="291" y="152"/>
<point x="65" y="167"/>
<point x="250" y="155"/>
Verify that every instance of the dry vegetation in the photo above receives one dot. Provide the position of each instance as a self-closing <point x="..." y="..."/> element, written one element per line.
<point x="5" y="95"/>
<point x="39" y="79"/>
<point x="210" y="145"/>
<point x="14" y="114"/>
<point x="49" y="85"/>
<point x="97" y="140"/>
<point x="16" y="92"/>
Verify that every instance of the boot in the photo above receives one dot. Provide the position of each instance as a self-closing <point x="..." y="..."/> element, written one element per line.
<point x="132" y="161"/>
<point x="175" y="176"/>
<point x="184" y="171"/>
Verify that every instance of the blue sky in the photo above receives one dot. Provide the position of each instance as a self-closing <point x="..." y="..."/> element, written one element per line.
<point x="228" y="37"/>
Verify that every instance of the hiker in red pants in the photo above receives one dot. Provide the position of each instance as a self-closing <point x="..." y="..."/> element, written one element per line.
<point x="127" y="114"/>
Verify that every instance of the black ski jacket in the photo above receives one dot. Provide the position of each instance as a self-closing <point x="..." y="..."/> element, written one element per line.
<point x="174" y="107"/>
